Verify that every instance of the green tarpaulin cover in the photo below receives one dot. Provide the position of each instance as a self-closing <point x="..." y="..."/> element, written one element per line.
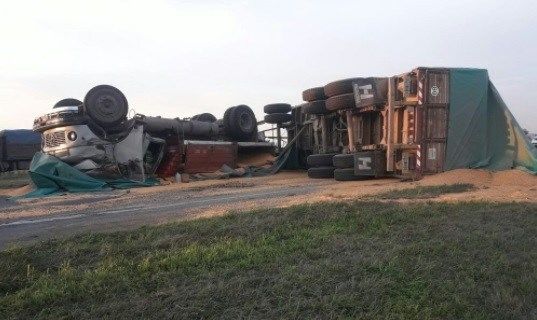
<point x="482" y="131"/>
<point x="50" y="175"/>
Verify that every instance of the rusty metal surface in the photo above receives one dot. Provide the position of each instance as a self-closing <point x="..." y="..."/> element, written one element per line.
<point x="209" y="157"/>
<point x="437" y="86"/>
<point x="436" y="123"/>
<point x="171" y="162"/>
<point x="434" y="156"/>
<point x="435" y="120"/>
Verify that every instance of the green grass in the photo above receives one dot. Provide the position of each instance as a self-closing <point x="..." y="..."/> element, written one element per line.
<point x="328" y="260"/>
<point x="425" y="192"/>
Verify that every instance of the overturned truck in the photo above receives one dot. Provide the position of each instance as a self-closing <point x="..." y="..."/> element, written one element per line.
<point x="424" y="121"/>
<point x="96" y="137"/>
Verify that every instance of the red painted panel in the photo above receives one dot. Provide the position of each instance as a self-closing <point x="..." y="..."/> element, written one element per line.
<point x="208" y="157"/>
<point x="171" y="162"/>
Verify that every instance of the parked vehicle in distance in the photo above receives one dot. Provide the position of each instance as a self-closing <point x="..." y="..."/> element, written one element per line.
<point x="17" y="147"/>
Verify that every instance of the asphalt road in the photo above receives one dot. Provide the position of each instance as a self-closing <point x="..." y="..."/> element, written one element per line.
<point x="129" y="215"/>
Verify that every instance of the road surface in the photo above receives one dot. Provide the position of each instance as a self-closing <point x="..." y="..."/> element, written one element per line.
<point x="133" y="212"/>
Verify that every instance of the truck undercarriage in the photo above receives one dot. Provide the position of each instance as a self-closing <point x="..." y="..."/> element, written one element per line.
<point x="96" y="137"/>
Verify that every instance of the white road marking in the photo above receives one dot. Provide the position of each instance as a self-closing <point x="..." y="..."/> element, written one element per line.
<point x="139" y="208"/>
<point x="22" y="222"/>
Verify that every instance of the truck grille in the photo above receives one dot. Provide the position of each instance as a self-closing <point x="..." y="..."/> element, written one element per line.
<point x="54" y="139"/>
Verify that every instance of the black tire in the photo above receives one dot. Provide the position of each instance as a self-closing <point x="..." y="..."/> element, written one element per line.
<point x="68" y="102"/>
<point x="278" y="118"/>
<point x="343" y="101"/>
<point x="320" y="160"/>
<point x="347" y="174"/>
<point x="106" y="105"/>
<point x="343" y="161"/>
<point x="315" y="107"/>
<point x="277" y="108"/>
<point x="240" y="122"/>
<point x="225" y="120"/>
<point x="204" y="117"/>
<point x="313" y="94"/>
<point x="340" y="87"/>
<point x="321" y="172"/>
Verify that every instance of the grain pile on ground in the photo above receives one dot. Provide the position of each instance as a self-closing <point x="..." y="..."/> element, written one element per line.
<point x="509" y="185"/>
<point x="16" y="192"/>
<point x="514" y="178"/>
<point x="255" y="159"/>
<point x="476" y="177"/>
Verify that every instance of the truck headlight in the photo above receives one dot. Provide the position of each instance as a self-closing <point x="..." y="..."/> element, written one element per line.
<point x="71" y="135"/>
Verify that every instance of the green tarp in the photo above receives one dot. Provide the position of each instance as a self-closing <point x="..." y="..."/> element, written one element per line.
<point x="50" y="175"/>
<point x="482" y="131"/>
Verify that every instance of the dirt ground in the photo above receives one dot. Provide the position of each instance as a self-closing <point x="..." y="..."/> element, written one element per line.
<point x="511" y="185"/>
<point x="27" y="220"/>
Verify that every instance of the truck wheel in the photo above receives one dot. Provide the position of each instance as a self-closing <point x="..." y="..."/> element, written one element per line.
<point x="277" y="108"/>
<point x="240" y="122"/>
<point x="321" y="172"/>
<point x="226" y="119"/>
<point x="313" y="94"/>
<point x="347" y="174"/>
<point x="68" y="102"/>
<point x="315" y="107"/>
<point x="204" y="117"/>
<point x="340" y="87"/>
<point x="106" y="105"/>
<point x="342" y="161"/>
<point x="278" y="118"/>
<point x="343" y="101"/>
<point x="320" y="160"/>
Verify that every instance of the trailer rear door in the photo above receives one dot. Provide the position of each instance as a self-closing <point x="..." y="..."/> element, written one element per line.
<point x="435" y="118"/>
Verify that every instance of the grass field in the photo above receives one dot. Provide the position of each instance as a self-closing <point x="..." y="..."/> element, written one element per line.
<point x="328" y="260"/>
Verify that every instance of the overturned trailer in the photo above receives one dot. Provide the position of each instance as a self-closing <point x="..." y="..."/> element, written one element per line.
<point x="96" y="137"/>
<point x="424" y="121"/>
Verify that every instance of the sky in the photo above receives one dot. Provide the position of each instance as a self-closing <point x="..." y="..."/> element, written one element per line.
<point x="180" y="58"/>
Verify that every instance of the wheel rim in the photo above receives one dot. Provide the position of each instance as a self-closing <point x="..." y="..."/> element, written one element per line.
<point x="106" y="104"/>
<point x="245" y="121"/>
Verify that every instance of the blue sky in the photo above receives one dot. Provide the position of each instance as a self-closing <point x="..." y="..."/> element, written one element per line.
<point x="179" y="58"/>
